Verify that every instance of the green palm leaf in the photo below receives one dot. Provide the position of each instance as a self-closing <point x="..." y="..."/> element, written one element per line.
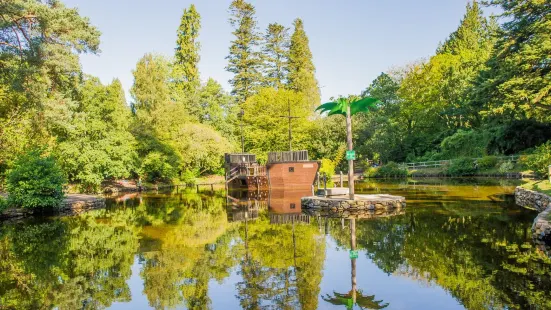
<point x="326" y="107"/>
<point x="339" y="107"/>
<point x="363" y="105"/>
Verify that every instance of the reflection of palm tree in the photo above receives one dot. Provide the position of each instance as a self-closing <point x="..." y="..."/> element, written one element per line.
<point x="355" y="296"/>
<point x="364" y="302"/>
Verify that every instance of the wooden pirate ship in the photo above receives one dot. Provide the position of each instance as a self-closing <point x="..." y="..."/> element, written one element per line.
<point x="284" y="170"/>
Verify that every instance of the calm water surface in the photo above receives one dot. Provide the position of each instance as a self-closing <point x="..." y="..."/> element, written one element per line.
<point x="457" y="246"/>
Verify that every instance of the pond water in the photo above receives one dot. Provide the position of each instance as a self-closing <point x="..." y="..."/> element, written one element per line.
<point x="459" y="244"/>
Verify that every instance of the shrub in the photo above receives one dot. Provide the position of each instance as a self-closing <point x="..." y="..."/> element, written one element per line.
<point x="461" y="167"/>
<point x="488" y="162"/>
<point x="327" y="167"/>
<point x="540" y="160"/>
<point x="189" y="176"/>
<point x="155" y="166"/>
<point x="35" y="182"/>
<point x="464" y="144"/>
<point x="3" y="204"/>
<point x="371" y="172"/>
<point x="391" y="169"/>
<point x="506" y="167"/>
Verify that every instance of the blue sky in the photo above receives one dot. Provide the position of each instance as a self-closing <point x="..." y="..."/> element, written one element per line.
<point x="352" y="41"/>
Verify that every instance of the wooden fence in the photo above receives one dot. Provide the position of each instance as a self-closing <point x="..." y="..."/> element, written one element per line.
<point x="439" y="163"/>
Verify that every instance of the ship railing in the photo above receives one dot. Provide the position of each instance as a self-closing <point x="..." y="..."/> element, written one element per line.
<point x="240" y="158"/>
<point x="247" y="169"/>
<point x="289" y="156"/>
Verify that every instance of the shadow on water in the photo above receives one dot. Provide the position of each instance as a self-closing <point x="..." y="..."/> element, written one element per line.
<point x="459" y="245"/>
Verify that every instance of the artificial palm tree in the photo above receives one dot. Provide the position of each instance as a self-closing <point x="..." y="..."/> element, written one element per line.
<point x="348" y="107"/>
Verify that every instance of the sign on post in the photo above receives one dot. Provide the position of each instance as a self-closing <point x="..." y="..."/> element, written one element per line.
<point x="353" y="254"/>
<point x="351" y="155"/>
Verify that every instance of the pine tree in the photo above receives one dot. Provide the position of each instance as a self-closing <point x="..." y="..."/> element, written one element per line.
<point x="244" y="59"/>
<point x="186" y="73"/>
<point x="474" y="33"/>
<point x="276" y="53"/>
<point x="519" y="82"/>
<point x="301" y="67"/>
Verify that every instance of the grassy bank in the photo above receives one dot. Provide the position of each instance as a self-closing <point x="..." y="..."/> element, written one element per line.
<point x="542" y="186"/>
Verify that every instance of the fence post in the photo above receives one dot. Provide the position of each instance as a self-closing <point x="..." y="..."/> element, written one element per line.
<point x="341" y="179"/>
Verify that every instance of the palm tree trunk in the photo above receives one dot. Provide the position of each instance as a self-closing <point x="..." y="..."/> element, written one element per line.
<point x="350" y="162"/>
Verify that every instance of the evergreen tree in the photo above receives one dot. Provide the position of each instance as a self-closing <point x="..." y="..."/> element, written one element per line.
<point x="276" y="53"/>
<point x="39" y="46"/>
<point x="186" y="73"/>
<point x="301" y="67"/>
<point x="244" y="59"/>
<point x="519" y="82"/>
<point x="441" y="87"/>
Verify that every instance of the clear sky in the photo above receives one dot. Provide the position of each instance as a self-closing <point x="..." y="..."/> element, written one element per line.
<point x="352" y="41"/>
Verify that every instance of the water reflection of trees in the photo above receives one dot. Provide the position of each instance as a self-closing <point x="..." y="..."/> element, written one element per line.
<point x="183" y="242"/>
<point x="282" y="265"/>
<point x="485" y="260"/>
<point x="71" y="263"/>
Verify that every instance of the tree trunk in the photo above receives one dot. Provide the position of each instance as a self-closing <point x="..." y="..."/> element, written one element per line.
<point x="349" y="143"/>
<point x="353" y="260"/>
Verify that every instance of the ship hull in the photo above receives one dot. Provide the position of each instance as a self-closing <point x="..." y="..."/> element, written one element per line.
<point x="297" y="176"/>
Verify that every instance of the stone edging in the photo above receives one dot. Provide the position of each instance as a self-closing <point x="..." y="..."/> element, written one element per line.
<point x="541" y="229"/>
<point x="362" y="202"/>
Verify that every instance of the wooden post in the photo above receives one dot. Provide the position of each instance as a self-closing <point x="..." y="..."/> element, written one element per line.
<point x="197" y="187"/>
<point x="350" y="148"/>
<point x="318" y="177"/>
<point x="325" y="184"/>
<point x="341" y="178"/>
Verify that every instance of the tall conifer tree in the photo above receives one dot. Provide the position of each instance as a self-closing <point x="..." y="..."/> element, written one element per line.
<point x="301" y="67"/>
<point x="186" y="73"/>
<point x="244" y="59"/>
<point x="519" y="82"/>
<point x="276" y="54"/>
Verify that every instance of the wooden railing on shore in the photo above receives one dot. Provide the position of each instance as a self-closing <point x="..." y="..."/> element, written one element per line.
<point x="439" y="163"/>
<point x="290" y="156"/>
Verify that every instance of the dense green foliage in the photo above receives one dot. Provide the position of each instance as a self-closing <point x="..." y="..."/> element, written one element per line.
<point x="484" y="92"/>
<point x="3" y="204"/>
<point x="462" y="166"/>
<point x="487" y="162"/>
<point x="540" y="160"/>
<point x="390" y="170"/>
<point x="35" y="182"/>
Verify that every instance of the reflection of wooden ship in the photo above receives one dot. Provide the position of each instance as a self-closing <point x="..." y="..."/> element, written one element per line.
<point x="286" y="208"/>
<point x="246" y="207"/>
<point x="290" y="169"/>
